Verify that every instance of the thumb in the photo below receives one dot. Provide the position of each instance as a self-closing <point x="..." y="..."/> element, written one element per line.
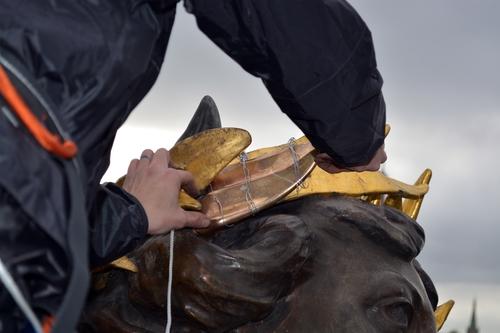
<point x="195" y="219"/>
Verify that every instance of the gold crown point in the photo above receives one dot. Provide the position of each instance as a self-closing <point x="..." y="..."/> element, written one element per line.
<point x="387" y="130"/>
<point x="125" y="263"/>
<point x="411" y="207"/>
<point x="442" y="312"/>
<point x="425" y="177"/>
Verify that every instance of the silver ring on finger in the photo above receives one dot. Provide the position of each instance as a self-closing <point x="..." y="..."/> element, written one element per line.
<point x="145" y="157"/>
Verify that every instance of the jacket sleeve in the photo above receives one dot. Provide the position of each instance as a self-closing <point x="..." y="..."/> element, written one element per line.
<point x="317" y="60"/>
<point x="118" y="224"/>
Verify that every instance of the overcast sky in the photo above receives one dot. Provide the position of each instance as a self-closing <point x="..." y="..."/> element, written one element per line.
<point x="440" y="60"/>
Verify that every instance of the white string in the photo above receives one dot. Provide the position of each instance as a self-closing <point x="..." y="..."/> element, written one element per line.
<point x="18" y="297"/>
<point x="169" y="287"/>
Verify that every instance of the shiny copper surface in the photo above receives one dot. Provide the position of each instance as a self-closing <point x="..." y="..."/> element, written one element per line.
<point x="272" y="176"/>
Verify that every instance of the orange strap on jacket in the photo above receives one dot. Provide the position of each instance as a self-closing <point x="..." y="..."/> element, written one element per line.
<point x="47" y="324"/>
<point x="49" y="141"/>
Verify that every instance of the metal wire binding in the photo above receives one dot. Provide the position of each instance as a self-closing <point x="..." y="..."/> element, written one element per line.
<point x="246" y="187"/>
<point x="295" y="159"/>
<point x="219" y="203"/>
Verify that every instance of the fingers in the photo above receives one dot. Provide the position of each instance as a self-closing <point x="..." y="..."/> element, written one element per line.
<point x="147" y="154"/>
<point x="187" y="182"/>
<point x="131" y="172"/>
<point x="325" y="162"/>
<point x="180" y="219"/>
<point x="132" y="166"/>
<point x="161" y="158"/>
<point x="379" y="158"/>
<point x="156" y="187"/>
<point x="195" y="220"/>
<point x="146" y="157"/>
<point x="330" y="168"/>
<point x="383" y="154"/>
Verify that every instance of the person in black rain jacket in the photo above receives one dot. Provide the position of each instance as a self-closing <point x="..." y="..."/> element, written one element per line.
<point x="82" y="67"/>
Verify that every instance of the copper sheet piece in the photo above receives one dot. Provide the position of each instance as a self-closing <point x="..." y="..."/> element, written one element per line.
<point x="272" y="150"/>
<point x="271" y="171"/>
<point x="272" y="176"/>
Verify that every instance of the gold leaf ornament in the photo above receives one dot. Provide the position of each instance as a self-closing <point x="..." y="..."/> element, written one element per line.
<point x="205" y="155"/>
<point x="442" y="312"/>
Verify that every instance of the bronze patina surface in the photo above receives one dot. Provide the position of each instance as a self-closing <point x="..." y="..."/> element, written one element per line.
<point x="313" y="263"/>
<point x="258" y="181"/>
<point x="318" y="264"/>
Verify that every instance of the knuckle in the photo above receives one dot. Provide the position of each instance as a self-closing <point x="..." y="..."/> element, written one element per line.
<point x="155" y="168"/>
<point x="171" y="173"/>
<point x="186" y="175"/>
<point x="162" y="150"/>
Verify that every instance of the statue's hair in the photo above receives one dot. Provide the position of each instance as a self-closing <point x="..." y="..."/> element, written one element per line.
<point x="272" y="247"/>
<point x="383" y="225"/>
<point x="240" y="274"/>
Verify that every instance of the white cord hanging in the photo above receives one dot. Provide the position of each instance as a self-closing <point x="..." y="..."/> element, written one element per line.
<point x="169" y="286"/>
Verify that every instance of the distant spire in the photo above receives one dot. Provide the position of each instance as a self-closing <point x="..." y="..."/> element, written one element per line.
<point x="473" y="319"/>
<point x="473" y="325"/>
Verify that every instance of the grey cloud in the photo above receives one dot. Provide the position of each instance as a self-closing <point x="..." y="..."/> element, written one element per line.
<point x="437" y="53"/>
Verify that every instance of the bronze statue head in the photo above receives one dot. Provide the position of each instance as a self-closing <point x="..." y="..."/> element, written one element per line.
<point x="319" y="264"/>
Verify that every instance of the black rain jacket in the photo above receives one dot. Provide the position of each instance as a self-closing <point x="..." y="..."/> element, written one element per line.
<point x="92" y="61"/>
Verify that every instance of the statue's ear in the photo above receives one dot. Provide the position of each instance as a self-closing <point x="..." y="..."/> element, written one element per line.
<point x="205" y="117"/>
<point x="238" y="276"/>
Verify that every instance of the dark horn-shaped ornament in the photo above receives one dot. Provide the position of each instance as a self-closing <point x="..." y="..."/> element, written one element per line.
<point x="205" y="117"/>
